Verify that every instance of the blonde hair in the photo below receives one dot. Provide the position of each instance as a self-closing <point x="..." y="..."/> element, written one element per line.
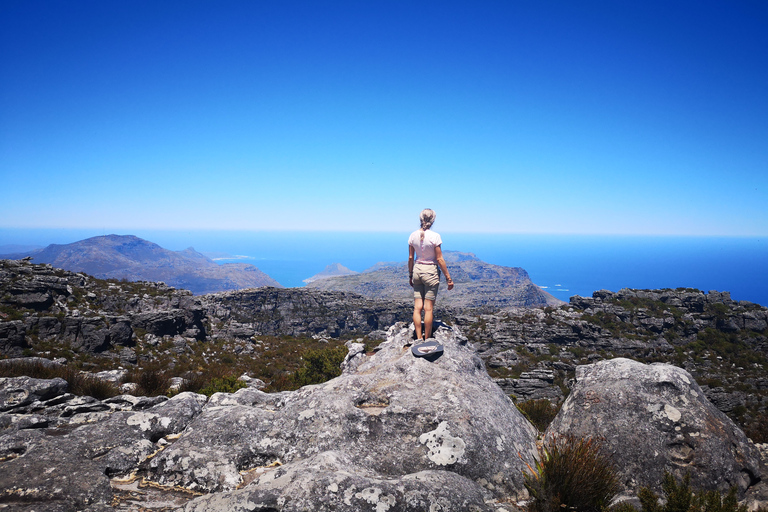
<point x="427" y="218"/>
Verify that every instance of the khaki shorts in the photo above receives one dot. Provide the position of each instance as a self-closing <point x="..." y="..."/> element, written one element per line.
<point x="426" y="280"/>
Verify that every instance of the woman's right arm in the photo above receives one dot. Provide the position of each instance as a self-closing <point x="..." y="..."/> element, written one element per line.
<point x="410" y="263"/>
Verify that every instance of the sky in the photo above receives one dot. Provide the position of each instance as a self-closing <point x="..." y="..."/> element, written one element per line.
<point x="552" y="117"/>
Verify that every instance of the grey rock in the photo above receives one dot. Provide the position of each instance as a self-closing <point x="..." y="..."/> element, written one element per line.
<point x="134" y="403"/>
<point x="87" y="334"/>
<point x="534" y="385"/>
<point x="331" y="481"/>
<point x="655" y="418"/>
<point x="300" y="312"/>
<point x="53" y="477"/>
<point x="127" y="356"/>
<point x="121" y="332"/>
<point x="113" y="376"/>
<point x="20" y="391"/>
<point x="354" y="358"/>
<point x="722" y="399"/>
<point x="31" y="361"/>
<point x="13" y="337"/>
<point x="252" y="382"/>
<point x="394" y="416"/>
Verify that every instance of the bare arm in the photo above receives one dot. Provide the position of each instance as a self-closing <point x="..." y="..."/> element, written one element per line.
<point x="411" y="252"/>
<point x="443" y="266"/>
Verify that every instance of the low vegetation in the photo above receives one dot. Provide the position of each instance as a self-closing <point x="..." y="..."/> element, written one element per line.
<point x="571" y="474"/>
<point x="539" y="412"/>
<point x="283" y="363"/>
<point x="79" y="383"/>
<point x="679" y="497"/>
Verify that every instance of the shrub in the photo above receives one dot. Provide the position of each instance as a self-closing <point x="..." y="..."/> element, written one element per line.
<point x="88" y="385"/>
<point x="151" y="381"/>
<point x="539" y="412"/>
<point x="79" y="383"/>
<point x="226" y="384"/>
<point x="320" y="366"/>
<point x="679" y="497"/>
<point x="757" y="430"/>
<point x="573" y="474"/>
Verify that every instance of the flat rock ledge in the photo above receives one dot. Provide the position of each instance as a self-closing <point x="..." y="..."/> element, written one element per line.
<point x="392" y="433"/>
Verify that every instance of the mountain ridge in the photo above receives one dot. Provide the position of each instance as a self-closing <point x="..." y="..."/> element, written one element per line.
<point x="478" y="284"/>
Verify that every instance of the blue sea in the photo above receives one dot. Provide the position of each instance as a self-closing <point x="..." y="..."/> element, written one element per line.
<point x="564" y="265"/>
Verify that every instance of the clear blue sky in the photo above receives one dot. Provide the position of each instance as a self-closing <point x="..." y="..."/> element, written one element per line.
<point x="504" y="116"/>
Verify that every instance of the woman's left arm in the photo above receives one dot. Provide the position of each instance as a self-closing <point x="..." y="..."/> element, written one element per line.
<point x="443" y="266"/>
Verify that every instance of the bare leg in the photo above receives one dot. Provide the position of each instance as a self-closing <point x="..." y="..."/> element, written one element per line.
<point x="428" y="306"/>
<point x="418" y="305"/>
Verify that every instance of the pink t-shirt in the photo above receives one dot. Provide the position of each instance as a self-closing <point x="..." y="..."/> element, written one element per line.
<point x="425" y="249"/>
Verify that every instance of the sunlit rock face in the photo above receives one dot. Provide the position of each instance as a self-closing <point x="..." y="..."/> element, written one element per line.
<point x="655" y="418"/>
<point x="392" y="429"/>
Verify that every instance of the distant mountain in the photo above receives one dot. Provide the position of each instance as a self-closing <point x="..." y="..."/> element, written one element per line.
<point x="332" y="270"/>
<point x="134" y="259"/>
<point x="478" y="284"/>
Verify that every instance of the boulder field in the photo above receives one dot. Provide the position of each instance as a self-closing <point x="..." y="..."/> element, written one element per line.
<point x="392" y="433"/>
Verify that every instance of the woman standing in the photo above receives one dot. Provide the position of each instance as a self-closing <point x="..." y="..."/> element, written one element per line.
<point x="424" y="274"/>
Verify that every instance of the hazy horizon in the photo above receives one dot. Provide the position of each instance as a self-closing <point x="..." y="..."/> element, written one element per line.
<point x="564" y="265"/>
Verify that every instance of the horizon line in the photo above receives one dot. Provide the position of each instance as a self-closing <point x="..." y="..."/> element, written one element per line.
<point x="132" y="231"/>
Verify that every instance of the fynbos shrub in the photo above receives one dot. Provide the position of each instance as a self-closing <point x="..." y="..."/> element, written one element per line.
<point x="539" y="412"/>
<point x="679" y="497"/>
<point x="226" y="384"/>
<point x="320" y="366"/>
<point x="571" y="474"/>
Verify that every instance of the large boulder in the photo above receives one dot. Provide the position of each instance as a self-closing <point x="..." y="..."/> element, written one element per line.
<point x="655" y="418"/>
<point x="395" y="433"/>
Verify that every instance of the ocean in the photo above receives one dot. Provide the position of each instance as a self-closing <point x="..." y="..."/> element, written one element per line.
<point x="564" y="265"/>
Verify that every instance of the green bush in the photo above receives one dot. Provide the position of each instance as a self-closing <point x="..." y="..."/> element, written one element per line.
<point x="539" y="412"/>
<point x="679" y="497"/>
<point x="320" y="366"/>
<point x="573" y="474"/>
<point x="226" y="384"/>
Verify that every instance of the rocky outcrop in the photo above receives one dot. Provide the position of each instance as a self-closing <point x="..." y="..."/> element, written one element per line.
<point x="392" y="418"/>
<point x="393" y="432"/>
<point x="299" y="312"/>
<point x="538" y="384"/>
<point x="721" y="342"/>
<point x="655" y="418"/>
<point x="41" y="304"/>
